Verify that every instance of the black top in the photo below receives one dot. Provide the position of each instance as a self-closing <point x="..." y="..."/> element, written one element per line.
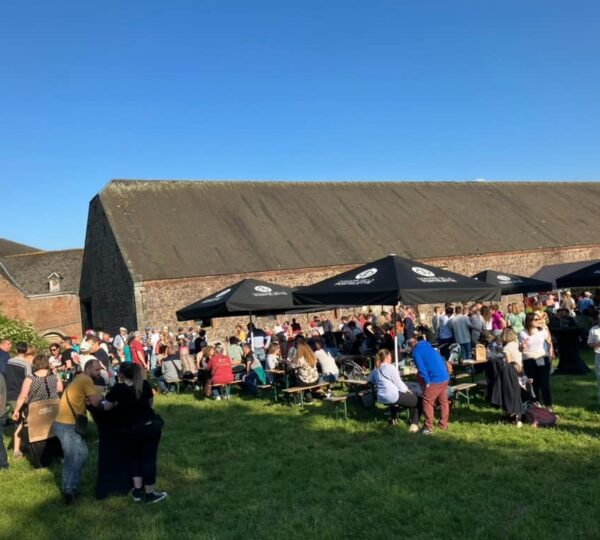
<point x="103" y="358"/>
<point x="131" y="411"/>
<point x="66" y="355"/>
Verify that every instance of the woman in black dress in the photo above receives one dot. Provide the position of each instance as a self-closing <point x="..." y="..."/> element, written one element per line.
<point x="132" y="401"/>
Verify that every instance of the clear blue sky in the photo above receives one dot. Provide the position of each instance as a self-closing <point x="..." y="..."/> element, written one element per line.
<point x="284" y="89"/>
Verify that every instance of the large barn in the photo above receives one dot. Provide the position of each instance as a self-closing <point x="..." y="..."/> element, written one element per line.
<point x="153" y="247"/>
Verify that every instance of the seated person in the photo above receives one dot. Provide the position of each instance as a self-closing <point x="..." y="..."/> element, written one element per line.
<point x="255" y="374"/>
<point x="202" y="359"/>
<point x="391" y="390"/>
<point x="305" y="364"/>
<point x="220" y="372"/>
<point x="273" y="356"/>
<point x="170" y="368"/>
<point x="329" y="369"/>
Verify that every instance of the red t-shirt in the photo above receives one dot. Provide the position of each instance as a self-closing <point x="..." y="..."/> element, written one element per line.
<point x="220" y="369"/>
<point x="136" y="346"/>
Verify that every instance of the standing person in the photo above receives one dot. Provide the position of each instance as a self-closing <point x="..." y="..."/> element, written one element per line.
<point x="258" y="340"/>
<point x="498" y="322"/>
<point x="41" y="385"/>
<point x="567" y="302"/>
<point x="132" y="401"/>
<point x="3" y="411"/>
<point x="477" y="325"/>
<point x="435" y="320"/>
<point x="516" y="318"/>
<point x="55" y="356"/>
<point x="434" y="378"/>
<point x="445" y="335"/>
<point x="119" y="343"/>
<point x="5" y="346"/>
<point x="461" y="329"/>
<point x="537" y="349"/>
<point x="391" y="389"/>
<point x="17" y="370"/>
<point x="138" y="355"/>
<point x="73" y="403"/>
<point x="594" y="342"/>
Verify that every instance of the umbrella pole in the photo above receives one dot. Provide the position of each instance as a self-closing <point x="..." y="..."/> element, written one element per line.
<point x="395" y="338"/>
<point x="251" y="332"/>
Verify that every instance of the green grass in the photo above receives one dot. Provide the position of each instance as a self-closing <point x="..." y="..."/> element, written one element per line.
<point x="253" y="469"/>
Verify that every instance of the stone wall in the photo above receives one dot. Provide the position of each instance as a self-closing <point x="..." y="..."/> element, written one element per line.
<point x="161" y="299"/>
<point x="106" y="288"/>
<point x="47" y="314"/>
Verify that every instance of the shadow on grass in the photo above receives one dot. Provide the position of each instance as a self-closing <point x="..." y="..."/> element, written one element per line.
<point x="249" y="468"/>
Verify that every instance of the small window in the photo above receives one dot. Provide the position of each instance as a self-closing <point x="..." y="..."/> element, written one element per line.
<point x="54" y="280"/>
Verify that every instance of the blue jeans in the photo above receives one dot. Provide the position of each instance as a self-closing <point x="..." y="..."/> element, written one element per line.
<point x="467" y="350"/>
<point x="329" y="377"/>
<point x="75" y="455"/>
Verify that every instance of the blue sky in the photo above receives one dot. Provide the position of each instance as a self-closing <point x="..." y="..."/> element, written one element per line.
<point x="287" y="90"/>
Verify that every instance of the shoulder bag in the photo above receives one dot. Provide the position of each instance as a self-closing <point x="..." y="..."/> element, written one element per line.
<point x="81" y="420"/>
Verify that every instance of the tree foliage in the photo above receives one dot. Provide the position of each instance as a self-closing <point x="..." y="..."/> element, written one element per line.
<point x="16" y="331"/>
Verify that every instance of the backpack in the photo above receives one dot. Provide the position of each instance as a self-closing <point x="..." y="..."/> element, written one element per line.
<point x="539" y="417"/>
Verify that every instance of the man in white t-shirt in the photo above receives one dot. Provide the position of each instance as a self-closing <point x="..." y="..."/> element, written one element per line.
<point x="594" y="342"/>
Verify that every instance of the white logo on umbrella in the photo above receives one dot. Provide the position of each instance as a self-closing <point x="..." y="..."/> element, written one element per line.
<point x="222" y="293"/>
<point x="262" y="288"/>
<point x="366" y="273"/>
<point x="503" y="278"/>
<point x="422" y="271"/>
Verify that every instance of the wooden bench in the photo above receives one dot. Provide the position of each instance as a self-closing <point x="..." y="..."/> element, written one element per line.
<point x="299" y="390"/>
<point x="462" y="391"/>
<point x="339" y="401"/>
<point x="262" y="387"/>
<point x="227" y="387"/>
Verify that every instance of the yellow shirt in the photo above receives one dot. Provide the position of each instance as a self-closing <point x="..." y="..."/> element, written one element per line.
<point x="81" y="388"/>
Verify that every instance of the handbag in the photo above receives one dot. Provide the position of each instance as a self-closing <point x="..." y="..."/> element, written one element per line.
<point x="41" y="416"/>
<point x="81" y="420"/>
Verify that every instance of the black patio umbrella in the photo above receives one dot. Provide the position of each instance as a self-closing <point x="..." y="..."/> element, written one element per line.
<point x="512" y="283"/>
<point x="588" y="276"/>
<point x="392" y="279"/>
<point x="554" y="272"/>
<point x="249" y="296"/>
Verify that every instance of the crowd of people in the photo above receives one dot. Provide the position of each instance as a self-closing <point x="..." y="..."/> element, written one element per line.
<point x="111" y="376"/>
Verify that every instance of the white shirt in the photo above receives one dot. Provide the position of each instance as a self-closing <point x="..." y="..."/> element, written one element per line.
<point x="327" y="363"/>
<point x="513" y="354"/>
<point x="533" y="345"/>
<point x="594" y="338"/>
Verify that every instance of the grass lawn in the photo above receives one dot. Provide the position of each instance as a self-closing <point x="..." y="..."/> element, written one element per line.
<point x="253" y="469"/>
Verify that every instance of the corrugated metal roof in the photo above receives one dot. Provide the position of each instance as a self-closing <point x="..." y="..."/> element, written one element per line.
<point x="30" y="271"/>
<point x="171" y="229"/>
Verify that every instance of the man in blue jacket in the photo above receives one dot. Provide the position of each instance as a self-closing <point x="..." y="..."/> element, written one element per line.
<point x="434" y="380"/>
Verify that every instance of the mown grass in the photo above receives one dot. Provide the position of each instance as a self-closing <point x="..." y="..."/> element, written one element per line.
<point x="253" y="469"/>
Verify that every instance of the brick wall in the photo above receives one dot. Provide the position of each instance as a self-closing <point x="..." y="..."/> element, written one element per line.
<point x="106" y="286"/>
<point x="161" y="299"/>
<point x="56" y="313"/>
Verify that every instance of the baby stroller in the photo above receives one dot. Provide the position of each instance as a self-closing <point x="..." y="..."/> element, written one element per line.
<point x="352" y="370"/>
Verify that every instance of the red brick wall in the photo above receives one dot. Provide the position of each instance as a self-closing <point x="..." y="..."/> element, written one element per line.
<point x="48" y="313"/>
<point x="161" y="299"/>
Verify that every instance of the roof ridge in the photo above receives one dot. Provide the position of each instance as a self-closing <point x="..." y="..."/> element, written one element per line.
<point x="40" y="253"/>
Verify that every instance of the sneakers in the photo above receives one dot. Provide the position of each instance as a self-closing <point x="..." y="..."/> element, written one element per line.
<point x="427" y="431"/>
<point x="136" y="494"/>
<point x="155" y="496"/>
<point x="413" y="428"/>
<point x="218" y="398"/>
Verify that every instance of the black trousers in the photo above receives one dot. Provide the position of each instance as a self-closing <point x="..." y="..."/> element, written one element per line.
<point x="143" y="449"/>
<point x="541" y="378"/>
<point x="414" y="404"/>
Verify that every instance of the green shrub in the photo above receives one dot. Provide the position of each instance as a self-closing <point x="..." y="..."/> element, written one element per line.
<point x="16" y="331"/>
